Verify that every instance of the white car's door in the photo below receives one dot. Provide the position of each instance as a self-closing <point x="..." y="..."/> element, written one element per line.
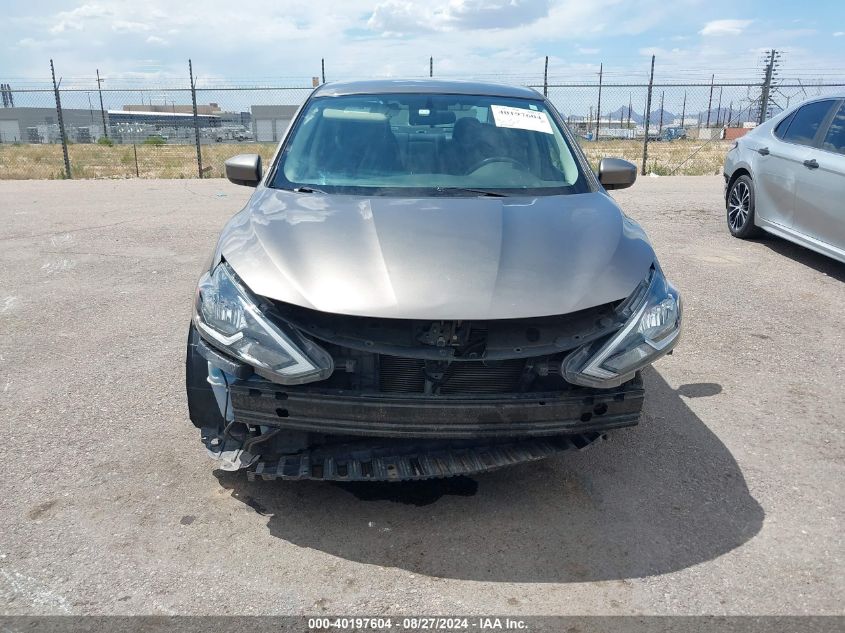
<point x="781" y="162"/>
<point x="820" y="196"/>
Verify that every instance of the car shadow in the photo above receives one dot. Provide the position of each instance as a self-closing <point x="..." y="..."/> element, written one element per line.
<point x="805" y="256"/>
<point x="656" y="498"/>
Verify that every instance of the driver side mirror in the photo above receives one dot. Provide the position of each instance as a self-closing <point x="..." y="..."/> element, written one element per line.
<point x="244" y="169"/>
<point x="615" y="173"/>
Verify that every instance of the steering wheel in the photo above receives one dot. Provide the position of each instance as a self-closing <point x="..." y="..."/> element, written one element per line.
<point x="498" y="159"/>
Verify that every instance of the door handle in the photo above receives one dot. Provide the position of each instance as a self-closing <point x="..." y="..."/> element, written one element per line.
<point x="811" y="163"/>
<point x="763" y="151"/>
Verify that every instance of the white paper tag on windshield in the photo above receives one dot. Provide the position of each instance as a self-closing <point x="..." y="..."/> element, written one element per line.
<point x="519" y="119"/>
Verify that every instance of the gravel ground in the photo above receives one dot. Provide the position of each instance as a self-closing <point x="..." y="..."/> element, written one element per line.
<point x="727" y="499"/>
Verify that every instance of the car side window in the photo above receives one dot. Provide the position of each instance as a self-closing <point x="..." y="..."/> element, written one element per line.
<point x="806" y="122"/>
<point x="780" y="130"/>
<point x="834" y="140"/>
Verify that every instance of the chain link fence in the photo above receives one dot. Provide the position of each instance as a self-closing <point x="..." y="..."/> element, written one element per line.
<point x="690" y="126"/>
<point x="185" y="132"/>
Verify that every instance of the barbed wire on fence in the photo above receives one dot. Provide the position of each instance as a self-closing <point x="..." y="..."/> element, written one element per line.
<point x="114" y="129"/>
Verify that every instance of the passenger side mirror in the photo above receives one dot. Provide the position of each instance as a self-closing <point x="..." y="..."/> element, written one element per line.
<point x="615" y="173"/>
<point x="244" y="169"/>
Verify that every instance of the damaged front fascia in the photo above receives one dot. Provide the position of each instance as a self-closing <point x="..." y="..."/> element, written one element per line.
<point x="441" y="340"/>
<point x="456" y="340"/>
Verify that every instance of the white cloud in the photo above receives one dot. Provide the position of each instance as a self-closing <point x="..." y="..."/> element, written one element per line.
<point x="75" y="19"/>
<point x="839" y="34"/>
<point x="725" y="27"/>
<point x="588" y="51"/>
<point x="403" y="16"/>
<point x="495" y="14"/>
<point x="156" y="40"/>
<point x="128" y="26"/>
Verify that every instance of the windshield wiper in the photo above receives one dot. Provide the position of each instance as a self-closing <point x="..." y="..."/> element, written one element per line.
<point x="307" y="190"/>
<point x="483" y="192"/>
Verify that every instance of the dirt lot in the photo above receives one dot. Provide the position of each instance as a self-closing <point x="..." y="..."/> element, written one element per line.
<point x="727" y="499"/>
<point x="87" y="160"/>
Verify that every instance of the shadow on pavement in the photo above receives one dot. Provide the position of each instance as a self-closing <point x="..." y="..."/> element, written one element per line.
<point x="656" y="498"/>
<point x="805" y="256"/>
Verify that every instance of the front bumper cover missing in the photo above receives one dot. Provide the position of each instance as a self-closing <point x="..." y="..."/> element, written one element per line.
<point x="447" y="462"/>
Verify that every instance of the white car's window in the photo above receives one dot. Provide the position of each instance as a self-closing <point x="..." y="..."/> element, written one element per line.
<point x="428" y="144"/>
<point x="834" y="139"/>
<point x="806" y="122"/>
<point x="781" y="128"/>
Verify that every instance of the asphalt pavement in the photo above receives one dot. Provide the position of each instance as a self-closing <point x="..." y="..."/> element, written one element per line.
<point x="726" y="499"/>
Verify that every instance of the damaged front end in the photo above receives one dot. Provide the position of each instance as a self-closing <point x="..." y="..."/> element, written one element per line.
<point x="294" y="393"/>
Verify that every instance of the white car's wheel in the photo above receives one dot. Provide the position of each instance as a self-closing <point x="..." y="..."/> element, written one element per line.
<point x="740" y="208"/>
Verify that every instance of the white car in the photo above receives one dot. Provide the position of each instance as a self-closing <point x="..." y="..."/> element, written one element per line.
<point x="787" y="177"/>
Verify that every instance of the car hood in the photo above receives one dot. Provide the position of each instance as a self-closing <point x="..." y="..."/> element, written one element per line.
<point x="466" y="258"/>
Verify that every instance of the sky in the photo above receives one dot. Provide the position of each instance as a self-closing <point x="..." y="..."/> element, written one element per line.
<point x="149" y="41"/>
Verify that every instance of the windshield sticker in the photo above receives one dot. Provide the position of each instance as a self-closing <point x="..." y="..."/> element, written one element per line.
<point x="519" y="119"/>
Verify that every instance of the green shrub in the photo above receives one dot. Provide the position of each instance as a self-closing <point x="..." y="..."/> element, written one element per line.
<point x="154" y="140"/>
<point x="104" y="140"/>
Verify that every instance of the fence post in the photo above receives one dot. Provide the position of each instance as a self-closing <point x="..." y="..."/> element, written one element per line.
<point x="647" y="116"/>
<point x="684" y="109"/>
<point x="598" y="106"/>
<point x="431" y="66"/>
<point x="135" y="151"/>
<point x="323" y="68"/>
<point x="61" y="120"/>
<point x="196" y="120"/>
<point x="719" y="108"/>
<point x="546" y="78"/>
<point x="660" y="128"/>
<point x="102" y="109"/>
<point x="710" y="101"/>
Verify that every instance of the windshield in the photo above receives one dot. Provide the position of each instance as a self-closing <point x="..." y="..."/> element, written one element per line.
<point x="428" y="144"/>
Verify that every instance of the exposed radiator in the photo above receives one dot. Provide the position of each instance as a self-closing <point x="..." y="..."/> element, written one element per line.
<point x="407" y="375"/>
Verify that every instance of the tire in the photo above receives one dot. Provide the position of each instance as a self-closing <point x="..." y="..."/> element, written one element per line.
<point x="739" y="209"/>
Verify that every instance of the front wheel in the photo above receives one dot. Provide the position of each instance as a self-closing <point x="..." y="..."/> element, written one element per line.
<point x="740" y="208"/>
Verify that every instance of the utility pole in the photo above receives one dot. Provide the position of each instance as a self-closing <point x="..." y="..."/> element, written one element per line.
<point x="767" y="86"/>
<point x="546" y="78"/>
<point x="431" y="66"/>
<point x="710" y="102"/>
<point x="102" y="109"/>
<point x="647" y="116"/>
<point x="598" y="106"/>
<point x="323" y="68"/>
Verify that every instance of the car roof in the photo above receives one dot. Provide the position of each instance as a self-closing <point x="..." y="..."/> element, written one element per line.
<point x="425" y="86"/>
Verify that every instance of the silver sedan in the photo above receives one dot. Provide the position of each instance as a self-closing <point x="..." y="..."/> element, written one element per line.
<point x="787" y="177"/>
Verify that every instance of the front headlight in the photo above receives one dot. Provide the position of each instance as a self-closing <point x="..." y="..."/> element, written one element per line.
<point x="227" y="315"/>
<point x="650" y="332"/>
